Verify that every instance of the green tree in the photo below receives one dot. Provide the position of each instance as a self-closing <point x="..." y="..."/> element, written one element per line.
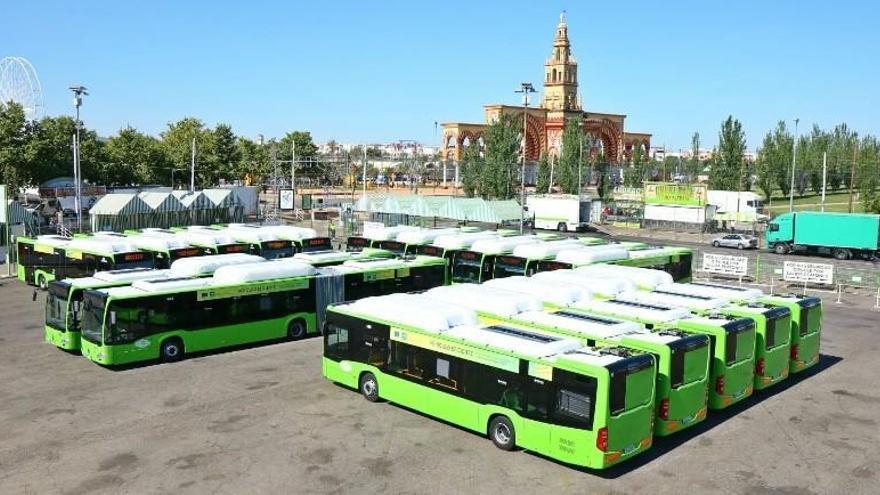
<point x="604" y="184"/>
<point x="177" y="146"/>
<point x="729" y="159"/>
<point x="764" y="167"/>
<point x="226" y="153"/>
<point x="499" y="179"/>
<point x="134" y="157"/>
<point x="567" y="168"/>
<point x="470" y="169"/>
<point x="306" y="150"/>
<point x="868" y="173"/>
<point x="254" y="160"/>
<point x="694" y="166"/>
<point x="50" y="151"/>
<point x="841" y="149"/>
<point x="14" y="135"/>
<point x="543" y="177"/>
<point x="634" y="175"/>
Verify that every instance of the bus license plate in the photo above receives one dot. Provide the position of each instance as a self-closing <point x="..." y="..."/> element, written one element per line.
<point x="686" y="420"/>
<point x="629" y="449"/>
<point x="737" y="395"/>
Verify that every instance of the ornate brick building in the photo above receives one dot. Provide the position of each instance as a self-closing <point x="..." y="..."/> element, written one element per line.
<point x="559" y="103"/>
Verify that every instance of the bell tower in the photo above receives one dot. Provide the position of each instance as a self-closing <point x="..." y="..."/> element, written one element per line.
<point x="560" y="73"/>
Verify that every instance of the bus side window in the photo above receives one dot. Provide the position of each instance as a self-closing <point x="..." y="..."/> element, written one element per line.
<point x="537" y="398"/>
<point x="337" y="342"/>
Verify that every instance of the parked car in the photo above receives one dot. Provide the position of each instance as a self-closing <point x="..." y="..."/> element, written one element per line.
<point x="739" y="241"/>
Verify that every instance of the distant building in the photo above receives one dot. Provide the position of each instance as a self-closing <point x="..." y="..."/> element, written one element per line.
<point x="560" y="102"/>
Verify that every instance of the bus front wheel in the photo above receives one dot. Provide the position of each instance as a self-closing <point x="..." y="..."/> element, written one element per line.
<point x="296" y="329"/>
<point x="780" y="248"/>
<point x="369" y="387"/>
<point x="502" y="433"/>
<point x="562" y="227"/>
<point x="171" y="350"/>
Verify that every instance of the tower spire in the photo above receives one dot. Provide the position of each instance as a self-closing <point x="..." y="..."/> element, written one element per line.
<point x="560" y="71"/>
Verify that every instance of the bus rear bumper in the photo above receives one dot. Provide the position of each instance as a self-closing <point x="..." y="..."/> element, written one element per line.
<point x="721" y="401"/>
<point x="796" y="365"/>
<point x="670" y="426"/>
<point x="611" y="458"/>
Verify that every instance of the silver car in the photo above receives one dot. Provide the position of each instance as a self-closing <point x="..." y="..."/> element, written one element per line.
<point x="739" y="241"/>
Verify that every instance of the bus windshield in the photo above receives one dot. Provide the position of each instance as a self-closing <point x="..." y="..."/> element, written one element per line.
<point x="176" y="254"/>
<point x="395" y="247"/>
<point x="276" y="249"/>
<point x="509" y="266"/>
<point x="689" y="357"/>
<point x="778" y="328"/>
<point x="93" y="316"/>
<point x="466" y="267"/>
<point x="56" y="305"/>
<point x="632" y="383"/>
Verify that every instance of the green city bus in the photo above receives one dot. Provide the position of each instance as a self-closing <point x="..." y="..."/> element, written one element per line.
<point x="524" y="258"/>
<point x="241" y="304"/>
<point x="43" y="259"/>
<point x="732" y="342"/>
<point x="412" y="241"/>
<point x="806" y="327"/>
<point x="213" y="242"/>
<point x="64" y="297"/>
<point x="682" y="360"/>
<point x="166" y="249"/>
<point x="303" y="239"/>
<point x="477" y="263"/>
<point x="587" y="255"/>
<point x="333" y="257"/>
<point x="373" y="236"/>
<point x="519" y="386"/>
<point x="675" y="261"/>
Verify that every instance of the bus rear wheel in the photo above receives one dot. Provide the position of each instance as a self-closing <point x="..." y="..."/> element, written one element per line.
<point x="369" y="387"/>
<point x="502" y="433"/>
<point x="296" y="329"/>
<point x="780" y="248"/>
<point x="171" y="350"/>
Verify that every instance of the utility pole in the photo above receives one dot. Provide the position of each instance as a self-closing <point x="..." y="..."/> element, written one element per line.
<point x="852" y="175"/>
<point x="365" y="172"/>
<point x="78" y="93"/>
<point x="824" y="172"/>
<point x="793" y="165"/>
<point x="192" y="168"/>
<point x="580" y="160"/>
<point x="525" y="89"/>
<point x="293" y="170"/>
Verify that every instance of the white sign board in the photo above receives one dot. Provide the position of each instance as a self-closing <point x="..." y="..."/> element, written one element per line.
<point x="3" y="205"/>
<point x="725" y="264"/>
<point x="286" y="199"/>
<point x="817" y="273"/>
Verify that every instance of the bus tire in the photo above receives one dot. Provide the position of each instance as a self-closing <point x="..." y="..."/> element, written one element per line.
<point x="780" y="248"/>
<point x="841" y="254"/>
<point x="562" y="227"/>
<point x="296" y="329"/>
<point x="502" y="433"/>
<point x="369" y="387"/>
<point x="171" y="350"/>
<point x="41" y="282"/>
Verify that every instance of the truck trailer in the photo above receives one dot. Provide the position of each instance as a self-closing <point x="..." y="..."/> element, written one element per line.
<point x="842" y="235"/>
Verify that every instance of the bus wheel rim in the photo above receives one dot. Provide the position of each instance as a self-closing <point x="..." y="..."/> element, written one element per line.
<point x="171" y="350"/>
<point x="502" y="433"/>
<point x="369" y="387"/>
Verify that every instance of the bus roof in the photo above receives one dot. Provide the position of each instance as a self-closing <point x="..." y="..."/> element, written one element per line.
<point x="285" y="232"/>
<point x="158" y="243"/>
<point x="637" y="254"/>
<point x="713" y="290"/>
<point x="385" y="233"/>
<point x="591" y="254"/>
<point x="200" y="266"/>
<point x="207" y="238"/>
<point x="424" y="236"/>
<point x="52" y="240"/>
<point x="101" y="246"/>
<point x="256" y="272"/>
<point x="583" y="323"/>
<point x="599" y="286"/>
<point x="693" y="303"/>
<point x="558" y="294"/>
<point x="544" y="250"/>
<point x="160" y="285"/>
<point x="646" y="278"/>
<point x="413" y="310"/>
<point x="461" y="241"/>
<point x="329" y="256"/>
<point x="485" y="299"/>
<point x="129" y="275"/>
<point x="253" y="236"/>
<point x="625" y="307"/>
<point x="502" y="245"/>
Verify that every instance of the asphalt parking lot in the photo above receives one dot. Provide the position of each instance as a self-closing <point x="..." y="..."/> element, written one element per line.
<point x="263" y="420"/>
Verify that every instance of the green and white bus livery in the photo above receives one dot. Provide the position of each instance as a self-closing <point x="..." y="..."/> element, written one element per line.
<point x="476" y="264"/>
<point x="682" y="360"/>
<point x="806" y="327"/>
<point x="587" y="255"/>
<point x="519" y="386"/>
<point x="772" y="340"/>
<point x="524" y="259"/>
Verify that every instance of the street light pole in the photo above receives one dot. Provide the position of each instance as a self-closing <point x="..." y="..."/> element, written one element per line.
<point x="293" y="171"/>
<point x="78" y="93"/>
<point x="793" y="165"/>
<point x="525" y="89"/>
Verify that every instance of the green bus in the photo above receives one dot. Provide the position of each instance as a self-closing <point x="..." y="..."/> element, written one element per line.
<point x="675" y="261"/>
<point x="806" y="327"/>
<point x="597" y="287"/>
<point x="303" y="239"/>
<point x="732" y="342"/>
<point x="373" y="236"/>
<point x="477" y="263"/>
<point x="519" y="386"/>
<point x="43" y="259"/>
<point x="682" y="359"/>
<point x="241" y="304"/>
<point x="586" y="255"/>
<point x="64" y="297"/>
<point x="213" y="242"/>
<point x="333" y="257"/>
<point x="166" y="248"/>
<point x="409" y="242"/>
<point x="524" y="258"/>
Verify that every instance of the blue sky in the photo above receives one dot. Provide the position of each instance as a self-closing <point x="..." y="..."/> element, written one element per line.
<point x="380" y="71"/>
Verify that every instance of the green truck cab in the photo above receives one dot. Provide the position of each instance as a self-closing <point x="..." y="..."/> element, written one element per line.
<point x="842" y="235"/>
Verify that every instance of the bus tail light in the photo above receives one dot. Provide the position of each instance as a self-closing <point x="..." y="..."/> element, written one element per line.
<point x="794" y="351"/>
<point x="719" y="385"/>
<point x="759" y="367"/>
<point x="664" y="409"/>
<point x="602" y="439"/>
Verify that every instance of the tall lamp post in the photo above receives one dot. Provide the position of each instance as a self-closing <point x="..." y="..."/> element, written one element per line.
<point x="525" y="89"/>
<point x="793" y="165"/>
<point x="78" y="93"/>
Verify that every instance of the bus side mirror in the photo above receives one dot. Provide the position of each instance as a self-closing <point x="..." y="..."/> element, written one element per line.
<point x="113" y="317"/>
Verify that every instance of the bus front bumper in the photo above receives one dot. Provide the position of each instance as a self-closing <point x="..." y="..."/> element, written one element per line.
<point x="68" y="341"/>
